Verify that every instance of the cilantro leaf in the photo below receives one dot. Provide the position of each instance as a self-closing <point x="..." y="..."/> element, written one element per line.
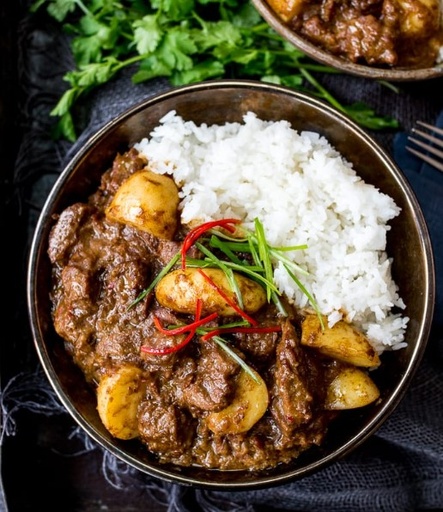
<point x="59" y="9"/>
<point x="366" y="117"/>
<point x="175" y="10"/>
<point x="147" y="34"/>
<point x="93" y="74"/>
<point x="151" y="67"/>
<point x="198" y="73"/>
<point x="97" y="37"/>
<point x="176" y="48"/>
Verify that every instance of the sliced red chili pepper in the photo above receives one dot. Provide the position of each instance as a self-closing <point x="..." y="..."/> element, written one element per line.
<point x="195" y="233"/>
<point x="247" y="330"/>
<point x="192" y="327"/>
<point x="198" y="310"/>
<point x="229" y="301"/>
<point x="168" y="350"/>
<point x="184" y="328"/>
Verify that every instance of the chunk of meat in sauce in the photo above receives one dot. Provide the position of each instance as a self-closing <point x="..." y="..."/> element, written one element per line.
<point x="164" y="426"/>
<point x="260" y="346"/>
<point x="211" y="388"/>
<point x="296" y="376"/>
<point x="65" y="232"/>
<point x="383" y="33"/>
<point x="344" y="30"/>
<point x="123" y="166"/>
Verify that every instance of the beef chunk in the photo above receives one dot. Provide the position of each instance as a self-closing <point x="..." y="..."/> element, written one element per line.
<point x="292" y="399"/>
<point x="165" y="427"/>
<point x="212" y="387"/>
<point x="65" y="232"/>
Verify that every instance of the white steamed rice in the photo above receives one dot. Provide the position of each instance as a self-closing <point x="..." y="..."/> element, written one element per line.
<point x="304" y="192"/>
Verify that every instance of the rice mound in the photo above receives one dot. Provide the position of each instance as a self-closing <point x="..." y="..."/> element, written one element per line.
<point x="304" y="192"/>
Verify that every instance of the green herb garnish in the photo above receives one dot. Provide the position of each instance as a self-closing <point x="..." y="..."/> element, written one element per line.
<point x="222" y="344"/>
<point x="264" y="258"/>
<point x="160" y="275"/>
<point x="185" y="41"/>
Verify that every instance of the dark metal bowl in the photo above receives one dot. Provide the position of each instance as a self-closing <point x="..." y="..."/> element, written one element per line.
<point x="399" y="74"/>
<point x="219" y="102"/>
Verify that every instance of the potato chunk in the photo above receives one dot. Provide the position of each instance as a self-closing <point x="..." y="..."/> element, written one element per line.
<point x="118" y="397"/>
<point x="250" y="403"/>
<point x="342" y="341"/>
<point x="418" y="18"/>
<point x="180" y="289"/>
<point x="146" y="201"/>
<point x="350" y="389"/>
<point x="286" y="9"/>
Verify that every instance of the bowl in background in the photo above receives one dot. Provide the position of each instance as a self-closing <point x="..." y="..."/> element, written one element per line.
<point x="400" y="74"/>
<point x="220" y="102"/>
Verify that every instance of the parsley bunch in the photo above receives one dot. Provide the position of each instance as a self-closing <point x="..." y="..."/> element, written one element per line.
<point x="186" y="41"/>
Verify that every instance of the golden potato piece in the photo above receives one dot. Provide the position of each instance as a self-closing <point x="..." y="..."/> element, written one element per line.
<point x="286" y="9"/>
<point x="249" y="404"/>
<point x="180" y="289"/>
<point x="118" y="397"/>
<point x="350" y="389"/>
<point x="146" y="201"/>
<point x="342" y="341"/>
<point x="418" y="18"/>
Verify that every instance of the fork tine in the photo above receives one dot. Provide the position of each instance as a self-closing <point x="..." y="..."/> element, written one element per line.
<point x="430" y="127"/>
<point x="435" y="140"/>
<point x="430" y="149"/>
<point x="431" y="161"/>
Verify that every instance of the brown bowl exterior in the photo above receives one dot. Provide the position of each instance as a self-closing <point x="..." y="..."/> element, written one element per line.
<point x="220" y="102"/>
<point x="396" y="74"/>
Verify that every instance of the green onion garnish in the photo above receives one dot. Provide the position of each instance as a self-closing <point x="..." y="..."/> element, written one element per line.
<point x="163" y="272"/>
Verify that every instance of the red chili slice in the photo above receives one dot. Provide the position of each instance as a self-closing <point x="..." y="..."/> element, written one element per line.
<point x="198" y="231"/>
<point x="185" y="328"/>
<point x="229" y="301"/>
<point x="168" y="350"/>
<point x="192" y="327"/>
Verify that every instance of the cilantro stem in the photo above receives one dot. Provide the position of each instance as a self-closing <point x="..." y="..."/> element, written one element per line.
<point x="83" y="7"/>
<point x="321" y="91"/>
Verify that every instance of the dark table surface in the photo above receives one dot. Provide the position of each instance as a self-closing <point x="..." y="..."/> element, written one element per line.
<point x="41" y="470"/>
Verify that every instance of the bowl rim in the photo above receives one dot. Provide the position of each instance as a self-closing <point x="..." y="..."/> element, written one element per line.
<point x="398" y="74"/>
<point x="263" y="481"/>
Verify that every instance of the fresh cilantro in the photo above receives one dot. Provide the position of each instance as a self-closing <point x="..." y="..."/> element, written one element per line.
<point x="186" y="41"/>
<point x="147" y="34"/>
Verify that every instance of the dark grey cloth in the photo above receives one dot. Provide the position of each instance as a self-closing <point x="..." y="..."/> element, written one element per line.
<point x="400" y="468"/>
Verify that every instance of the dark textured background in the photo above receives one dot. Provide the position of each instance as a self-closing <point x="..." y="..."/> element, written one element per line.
<point x="47" y="464"/>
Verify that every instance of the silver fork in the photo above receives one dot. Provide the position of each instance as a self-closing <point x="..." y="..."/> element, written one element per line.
<point x="425" y="141"/>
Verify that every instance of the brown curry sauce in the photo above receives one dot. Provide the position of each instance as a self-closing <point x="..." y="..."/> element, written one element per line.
<point x="384" y="33"/>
